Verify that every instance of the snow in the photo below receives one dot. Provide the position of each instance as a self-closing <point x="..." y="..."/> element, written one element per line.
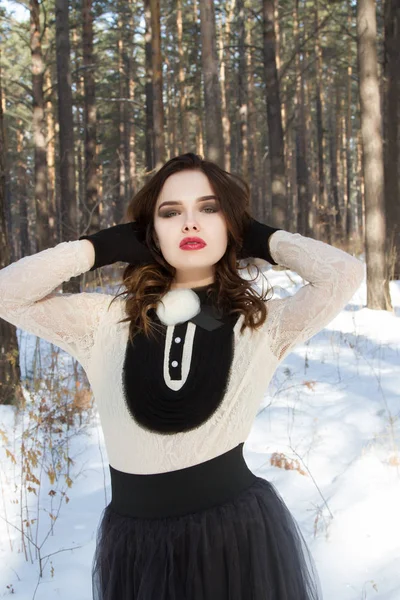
<point x="332" y="410"/>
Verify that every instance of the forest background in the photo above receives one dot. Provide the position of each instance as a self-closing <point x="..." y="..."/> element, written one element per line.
<point x="300" y="97"/>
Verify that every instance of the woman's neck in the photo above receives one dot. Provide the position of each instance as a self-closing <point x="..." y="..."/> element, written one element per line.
<point x="193" y="284"/>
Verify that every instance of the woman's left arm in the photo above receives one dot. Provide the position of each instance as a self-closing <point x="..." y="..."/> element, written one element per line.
<point x="333" y="277"/>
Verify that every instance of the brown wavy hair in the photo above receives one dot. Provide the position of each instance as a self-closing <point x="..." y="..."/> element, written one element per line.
<point x="146" y="284"/>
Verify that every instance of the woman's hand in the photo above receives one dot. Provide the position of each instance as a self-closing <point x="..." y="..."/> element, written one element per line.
<point x="255" y="241"/>
<point x="125" y="243"/>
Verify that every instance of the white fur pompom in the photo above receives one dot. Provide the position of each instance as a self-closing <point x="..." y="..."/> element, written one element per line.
<point x="178" y="306"/>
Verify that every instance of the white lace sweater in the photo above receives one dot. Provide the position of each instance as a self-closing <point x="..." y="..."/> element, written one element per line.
<point x="81" y="325"/>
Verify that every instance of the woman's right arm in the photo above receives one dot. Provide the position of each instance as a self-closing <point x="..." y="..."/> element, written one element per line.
<point x="28" y="300"/>
<point x="70" y="321"/>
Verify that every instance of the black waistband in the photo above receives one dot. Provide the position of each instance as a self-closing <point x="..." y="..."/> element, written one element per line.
<point x="183" y="491"/>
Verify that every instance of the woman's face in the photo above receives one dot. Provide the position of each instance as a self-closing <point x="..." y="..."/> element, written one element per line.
<point x="181" y="212"/>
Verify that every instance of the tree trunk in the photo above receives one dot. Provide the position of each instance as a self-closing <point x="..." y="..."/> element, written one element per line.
<point x="150" y="145"/>
<point x="66" y="134"/>
<point x="172" y="88"/>
<point x="343" y="164"/>
<point x="333" y="138"/>
<point x="10" y="374"/>
<point x="243" y="108"/>
<point x="132" y="77"/>
<point x="360" y="186"/>
<point x="303" y="223"/>
<point x="103" y="223"/>
<point x="79" y="147"/>
<point x="212" y="92"/>
<point x="224" y="32"/>
<point x="183" y="120"/>
<point x="288" y="128"/>
<point x="170" y="108"/>
<point x="254" y="148"/>
<point x="349" y="218"/>
<point x="378" y="296"/>
<point x="91" y="192"/>
<point x="121" y="155"/>
<point x="199" y="110"/>
<point x="23" y="196"/>
<point x="313" y="215"/>
<point x="274" y="118"/>
<point x="50" y="157"/>
<point x="392" y="134"/>
<point x="323" y="221"/>
<point x="158" y="106"/>
<point x="39" y="130"/>
<point x="279" y="33"/>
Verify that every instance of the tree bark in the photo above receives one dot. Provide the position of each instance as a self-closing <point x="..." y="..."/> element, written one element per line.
<point x="323" y="221"/>
<point x="184" y="124"/>
<point x="199" y="109"/>
<point x="212" y="92"/>
<point x="77" y="115"/>
<point x="23" y="196"/>
<point x="254" y="147"/>
<point x="39" y="130"/>
<point x="378" y="296"/>
<point x="274" y="118"/>
<point x="243" y="94"/>
<point x="303" y="221"/>
<point x="333" y="139"/>
<point x="50" y="157"/>
<point x="10" y="374"/>
<point x="392" y="134"/>
<point x="158" y="106"/>
<point x="349" y="218"/>
<point x="225" y="84"/>
<point x="90" y="200"/>
<point x="69" y="229"/>
<point x="170" y="109"/>
<point x="132" y="76"/>
<point x="360" y="187"/>
<point x="150" y="145"/>
<point x="121" y="155"/>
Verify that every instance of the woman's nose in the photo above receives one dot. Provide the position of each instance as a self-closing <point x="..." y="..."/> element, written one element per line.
<point x="191" y="223"/>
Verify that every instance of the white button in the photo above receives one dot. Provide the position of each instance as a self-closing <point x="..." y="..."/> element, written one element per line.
<point x="174" y="363"/>
<point x="177" y="340"/>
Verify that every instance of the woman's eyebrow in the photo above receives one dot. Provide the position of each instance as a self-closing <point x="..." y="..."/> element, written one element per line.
<point x="175" y="202"/>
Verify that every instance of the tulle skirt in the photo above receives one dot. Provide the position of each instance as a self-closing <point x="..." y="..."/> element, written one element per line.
<point x="214" y="531"/>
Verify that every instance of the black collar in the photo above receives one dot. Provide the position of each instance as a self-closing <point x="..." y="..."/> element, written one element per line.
<point x="209" y="317"/>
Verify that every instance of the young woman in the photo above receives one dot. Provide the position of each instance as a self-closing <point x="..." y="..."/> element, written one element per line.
<point x="178" y="364"/>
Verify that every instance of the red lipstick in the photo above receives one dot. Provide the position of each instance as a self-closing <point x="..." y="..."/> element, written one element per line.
<point x="192" y="243"/>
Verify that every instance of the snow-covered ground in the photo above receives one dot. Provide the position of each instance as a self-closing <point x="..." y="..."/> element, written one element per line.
<point x="331" y="414"/>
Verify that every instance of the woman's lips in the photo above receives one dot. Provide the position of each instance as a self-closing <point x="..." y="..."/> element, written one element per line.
<point x="193" y="246"/>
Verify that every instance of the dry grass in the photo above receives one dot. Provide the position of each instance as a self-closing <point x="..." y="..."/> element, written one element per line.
<point x="36" y="466"/>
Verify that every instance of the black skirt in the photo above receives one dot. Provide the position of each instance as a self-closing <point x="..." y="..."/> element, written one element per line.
<point x="213" y="531"/>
